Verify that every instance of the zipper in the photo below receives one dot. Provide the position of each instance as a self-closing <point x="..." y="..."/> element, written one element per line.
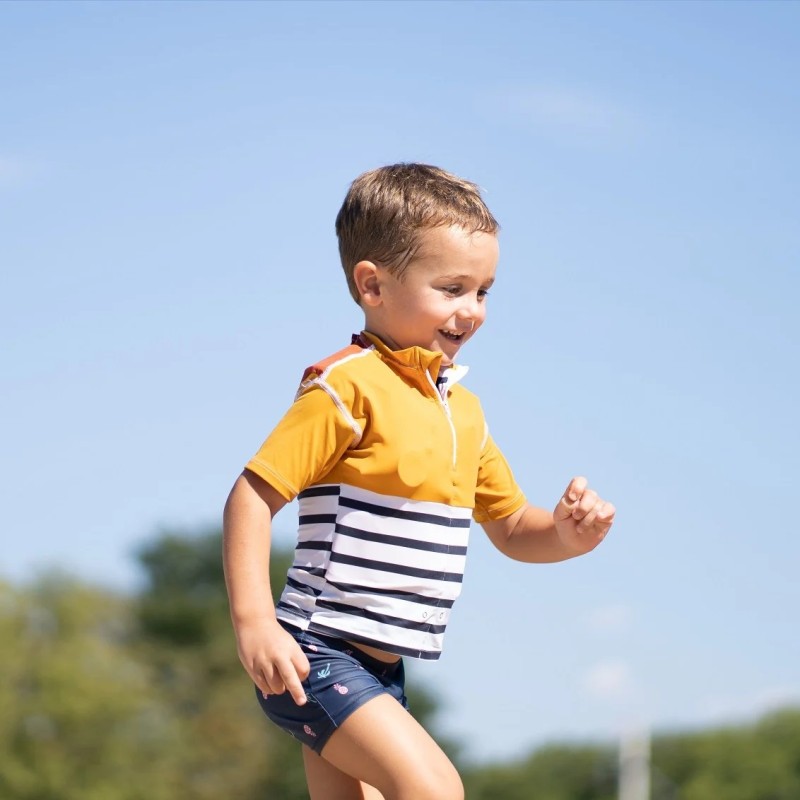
<point x="443" y="403"/>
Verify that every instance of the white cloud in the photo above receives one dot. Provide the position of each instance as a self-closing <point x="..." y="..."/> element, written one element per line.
<point x="608" y="679"/>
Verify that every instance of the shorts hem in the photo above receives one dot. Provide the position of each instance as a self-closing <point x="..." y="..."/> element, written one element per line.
<point x="320" y="742"/>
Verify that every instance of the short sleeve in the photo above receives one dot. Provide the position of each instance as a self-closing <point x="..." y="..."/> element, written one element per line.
<point x="312" y="436"/>
<point x="497" y="494"/>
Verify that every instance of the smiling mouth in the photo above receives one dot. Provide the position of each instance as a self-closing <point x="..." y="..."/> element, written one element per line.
<point x="453" y="337"/>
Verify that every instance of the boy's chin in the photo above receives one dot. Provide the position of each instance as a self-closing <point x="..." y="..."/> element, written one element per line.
<point x="449" y="354"/>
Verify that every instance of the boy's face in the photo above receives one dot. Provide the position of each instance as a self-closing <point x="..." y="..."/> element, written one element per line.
<point x="440" y="300"/>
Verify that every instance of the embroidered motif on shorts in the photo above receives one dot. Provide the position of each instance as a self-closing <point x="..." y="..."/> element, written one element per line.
<point x="341" y="689"/>
<point x="324" y="673"/>
<point x="308" y="731"/>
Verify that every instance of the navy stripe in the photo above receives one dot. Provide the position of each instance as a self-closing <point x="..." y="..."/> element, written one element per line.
<point x="313" y="546"/>
<point x="411" y="597"/>
<point x="399" y="569"/>
<point x="415" y="544"/>
<point x="318" y="491"/>
<point x="313" y="519"/>
<point x="294" y="610"/>
<point x="415" y="516"/>
<point x="408" y="624"/>
<point x="412" y="652"/>
<point x="303" y="588"/>
<point x="317" y="572"/>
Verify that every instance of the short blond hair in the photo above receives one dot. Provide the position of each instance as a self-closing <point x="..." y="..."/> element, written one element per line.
<point x="386" y="209"/>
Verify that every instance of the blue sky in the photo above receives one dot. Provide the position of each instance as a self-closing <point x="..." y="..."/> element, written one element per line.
<point x="169" y="177"/>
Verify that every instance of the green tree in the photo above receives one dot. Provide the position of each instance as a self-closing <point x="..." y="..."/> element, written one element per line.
<point x="78" y="718"/>
<point x="555" y="772"/>
<point x="755" y="762"/>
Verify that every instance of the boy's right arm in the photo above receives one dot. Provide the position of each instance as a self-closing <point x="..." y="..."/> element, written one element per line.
<point x="272" y="658"/>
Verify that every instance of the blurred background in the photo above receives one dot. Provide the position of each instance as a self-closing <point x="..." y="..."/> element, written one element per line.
<point x="169" y="178"/>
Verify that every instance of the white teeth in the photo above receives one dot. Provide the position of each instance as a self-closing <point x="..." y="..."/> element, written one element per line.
<point x="450" y="335"/>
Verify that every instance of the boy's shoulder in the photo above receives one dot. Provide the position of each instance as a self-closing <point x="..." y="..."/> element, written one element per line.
<point x="358" y="347"/>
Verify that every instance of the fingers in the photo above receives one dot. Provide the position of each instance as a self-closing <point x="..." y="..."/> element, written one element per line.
<point x="605" y="518"/>
<point x="293" y="684"/>
<point x="297" y="672"/>
<point x="573" y="493"/>
<point x="589" y="517"/>
<point x="585" y="509"/>
<point x="606" y="513"/>
<point x="283" y="677"/>
<point x="577" y="486"/>
<point x="583" y="505"/>
<point x="281" y="671"/>
<point x="272" y="658"/>
<point x="301" y="664"/>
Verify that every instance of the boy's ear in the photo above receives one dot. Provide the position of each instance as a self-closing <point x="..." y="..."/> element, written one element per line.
<point x="368" y="284"/>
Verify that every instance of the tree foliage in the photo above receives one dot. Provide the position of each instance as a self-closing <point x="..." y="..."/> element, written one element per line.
<point x="109" y="697"/>
<point x="757" y="762"/>
<point x="79" y="717"/>
<point x="555" y="772"/>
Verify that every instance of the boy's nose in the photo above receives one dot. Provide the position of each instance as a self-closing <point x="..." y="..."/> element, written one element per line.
<point x="468" y="317"/>
<point x="472" y="309"/>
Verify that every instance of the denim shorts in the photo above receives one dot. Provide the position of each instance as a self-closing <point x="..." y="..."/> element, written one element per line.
<point x="341" y="680"/>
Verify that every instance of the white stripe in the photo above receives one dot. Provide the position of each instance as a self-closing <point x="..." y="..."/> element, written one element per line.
<point x="361" y="354"/>
<point x="403" y="609"/>
<point x="404" y="528"/>
<point x="342" y="409"/>
<point x="402" y="556"/>
<point x="309" y="559"/>
<point x="389" y="634"/>
<point x="318" y="504"/>
<point x="485" y="435"/>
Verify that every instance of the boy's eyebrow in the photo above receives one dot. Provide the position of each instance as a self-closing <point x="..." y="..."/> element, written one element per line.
<point x="461" y="278"/>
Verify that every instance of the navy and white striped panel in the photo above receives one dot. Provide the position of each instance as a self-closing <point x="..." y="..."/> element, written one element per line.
<point x="394" y="568"/>
<point x="306" y="577"/>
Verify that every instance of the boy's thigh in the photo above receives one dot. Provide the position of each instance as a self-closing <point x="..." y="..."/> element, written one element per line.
<point x="382" y="745"/>
<point x="326" y="782"/>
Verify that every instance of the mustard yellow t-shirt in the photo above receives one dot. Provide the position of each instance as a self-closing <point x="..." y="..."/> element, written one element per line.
<point x="389" y="467"/>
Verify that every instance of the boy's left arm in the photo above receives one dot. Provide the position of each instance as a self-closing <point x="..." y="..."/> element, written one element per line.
<point x="578" y="524"/>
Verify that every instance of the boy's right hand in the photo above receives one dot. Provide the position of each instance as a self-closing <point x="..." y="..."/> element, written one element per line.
<point x="272" y="658"/>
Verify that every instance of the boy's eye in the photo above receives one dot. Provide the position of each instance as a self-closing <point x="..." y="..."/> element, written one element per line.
<point x="455" y="290"/>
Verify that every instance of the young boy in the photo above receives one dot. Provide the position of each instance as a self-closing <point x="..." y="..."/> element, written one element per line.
<point x="390" y="458"/>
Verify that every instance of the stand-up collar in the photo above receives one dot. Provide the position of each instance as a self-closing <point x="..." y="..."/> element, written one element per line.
<point x="417" y="358"/>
